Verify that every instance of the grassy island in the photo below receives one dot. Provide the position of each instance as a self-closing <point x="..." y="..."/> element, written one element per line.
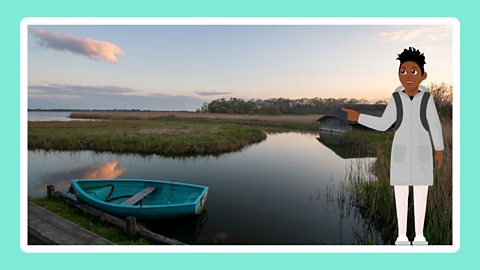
<point x="163" y="136"/>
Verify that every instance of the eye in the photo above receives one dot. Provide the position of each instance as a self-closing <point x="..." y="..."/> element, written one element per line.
<point x="414" y="72"/>
<point x="403" y="71"/>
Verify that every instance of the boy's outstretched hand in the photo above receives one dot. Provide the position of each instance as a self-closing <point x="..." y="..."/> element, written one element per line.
<point x="352" y="115"/>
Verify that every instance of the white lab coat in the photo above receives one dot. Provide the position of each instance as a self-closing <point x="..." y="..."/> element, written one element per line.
<point x="411" y="156"/>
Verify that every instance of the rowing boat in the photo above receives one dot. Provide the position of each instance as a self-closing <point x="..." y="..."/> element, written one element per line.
<point x="145" y="199"/>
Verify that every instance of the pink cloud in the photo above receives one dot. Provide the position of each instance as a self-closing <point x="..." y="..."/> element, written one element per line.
<point x="429" y="33"/>
<point x="108" y="170"/>
<point x="91" y="48"/>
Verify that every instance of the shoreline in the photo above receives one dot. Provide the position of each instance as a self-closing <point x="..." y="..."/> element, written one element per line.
<point x="123" y="115"/>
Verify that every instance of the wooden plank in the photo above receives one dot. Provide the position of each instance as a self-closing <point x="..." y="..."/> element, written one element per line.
<point x="51" y="229"/>
<point x="157" y="237"/>
<point x="140" y="195"/>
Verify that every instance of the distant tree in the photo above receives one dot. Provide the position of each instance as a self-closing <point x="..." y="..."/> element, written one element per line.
<point x="381" y="101"/>
<point x="270" y="109"/>
<point x="204" y="108"/>
<point x="442" y="94"/>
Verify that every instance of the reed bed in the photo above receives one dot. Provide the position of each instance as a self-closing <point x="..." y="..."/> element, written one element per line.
<point x="376" y="201"/>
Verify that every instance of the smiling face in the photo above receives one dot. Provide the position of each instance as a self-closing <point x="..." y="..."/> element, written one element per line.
<point x="411" y="76"/>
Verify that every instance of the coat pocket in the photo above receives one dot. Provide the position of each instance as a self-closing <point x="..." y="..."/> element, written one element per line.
<point x="398" y="153"/>
<point x="424" y="153"/>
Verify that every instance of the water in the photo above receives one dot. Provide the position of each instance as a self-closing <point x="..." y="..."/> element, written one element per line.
<point x="52" y="116"/>
<point x="280" y="191"/>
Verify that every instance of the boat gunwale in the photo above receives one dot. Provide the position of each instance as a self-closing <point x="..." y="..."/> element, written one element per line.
<point x="76" y="186"/>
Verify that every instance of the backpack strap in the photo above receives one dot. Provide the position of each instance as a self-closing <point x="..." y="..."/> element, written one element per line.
<point x="398" y="103"/>
<point x="423" y="110"/>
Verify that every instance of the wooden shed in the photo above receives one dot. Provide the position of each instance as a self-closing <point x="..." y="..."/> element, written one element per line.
<point x="336" y="120"/>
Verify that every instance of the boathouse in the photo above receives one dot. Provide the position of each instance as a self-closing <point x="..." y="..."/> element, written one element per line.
<point x="336" y="120"/>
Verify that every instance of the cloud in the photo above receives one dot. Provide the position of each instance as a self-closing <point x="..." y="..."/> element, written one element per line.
<point x="91" y="48"/>
<point x="212" y="93"/>
<point x="76" y="90"/>
<point x="68" y="96"/>
<point x="429" y="33"/>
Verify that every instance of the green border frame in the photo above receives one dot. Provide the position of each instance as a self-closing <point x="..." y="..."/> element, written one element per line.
<point x="11" y="15"/>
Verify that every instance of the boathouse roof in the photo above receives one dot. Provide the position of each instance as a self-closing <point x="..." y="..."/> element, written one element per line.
<point x="370" y="109"/>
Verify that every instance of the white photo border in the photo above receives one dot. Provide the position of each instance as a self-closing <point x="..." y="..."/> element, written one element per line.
<point x="28" y="21"/>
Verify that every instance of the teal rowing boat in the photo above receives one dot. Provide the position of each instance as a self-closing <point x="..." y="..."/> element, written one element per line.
<point x="145" y="199"/>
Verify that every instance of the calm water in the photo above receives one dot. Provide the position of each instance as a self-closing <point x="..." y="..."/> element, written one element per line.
<point x="52" y="116"/>
<point x="280" y="191"/>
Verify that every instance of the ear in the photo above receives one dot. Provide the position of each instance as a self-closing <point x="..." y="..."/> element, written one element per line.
<point x="424" y="76"/>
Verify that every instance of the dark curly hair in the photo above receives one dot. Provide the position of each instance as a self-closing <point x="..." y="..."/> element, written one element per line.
<point x="414" y="55"/>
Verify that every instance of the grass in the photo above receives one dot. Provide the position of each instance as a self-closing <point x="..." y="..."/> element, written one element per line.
<point x="168" y="136"/>
<point x="265" y="125"/>
<point x="88" y="222"/>
<point x="265" y="122"/>
<point x="124" y="115"/>
<point x="376" y="200"/>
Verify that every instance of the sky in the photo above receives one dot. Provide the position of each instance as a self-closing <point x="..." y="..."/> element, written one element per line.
<point x="179" y="67"/>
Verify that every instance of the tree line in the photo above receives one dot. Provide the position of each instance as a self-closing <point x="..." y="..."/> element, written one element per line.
<point x="275" y="106"/>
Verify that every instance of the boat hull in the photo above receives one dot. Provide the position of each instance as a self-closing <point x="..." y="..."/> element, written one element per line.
<point x="168" y="200"/>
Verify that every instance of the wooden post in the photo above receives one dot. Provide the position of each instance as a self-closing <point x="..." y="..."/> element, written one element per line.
<point x="120" y="223"/>
<point x="131" y="225"/>
<point x="50" y="191"/>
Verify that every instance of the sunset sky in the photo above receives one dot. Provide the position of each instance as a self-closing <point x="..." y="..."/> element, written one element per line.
<point x="181" y="67"/>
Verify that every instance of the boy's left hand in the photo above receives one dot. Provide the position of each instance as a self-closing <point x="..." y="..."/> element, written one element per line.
<point x="439" y="158"/>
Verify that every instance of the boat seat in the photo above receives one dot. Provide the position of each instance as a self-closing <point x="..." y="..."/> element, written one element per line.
<point x="139" y="196"/>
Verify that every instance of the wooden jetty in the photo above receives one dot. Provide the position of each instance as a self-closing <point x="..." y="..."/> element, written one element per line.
<point x="129" y="225"/>
<point x="51" y="229"/>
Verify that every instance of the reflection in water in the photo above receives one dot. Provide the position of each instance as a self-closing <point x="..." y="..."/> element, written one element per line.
<point x="283" y="190"/>
<point x="106" y="171"/>
<point x="184" y="229"/>
<point x="61" y="179"/>
<point x="338" y="144"/>
<point x="220" y="238"/>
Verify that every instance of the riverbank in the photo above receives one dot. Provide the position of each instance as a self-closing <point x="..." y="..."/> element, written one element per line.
<point x="167" y="136"/>
<point x="125" y="115"/>
<point x="268" y="123"/>
<point x="376" y="200"/>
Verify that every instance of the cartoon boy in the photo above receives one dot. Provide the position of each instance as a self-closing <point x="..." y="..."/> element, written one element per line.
<point x="413" y="111"/>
